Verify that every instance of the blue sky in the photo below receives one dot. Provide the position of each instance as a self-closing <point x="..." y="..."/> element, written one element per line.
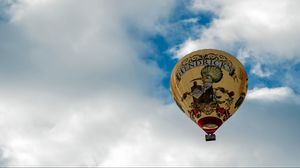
<point x="86" y="83"/>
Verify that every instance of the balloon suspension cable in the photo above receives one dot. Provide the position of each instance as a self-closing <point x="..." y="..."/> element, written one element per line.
<point x="210" y="137"/>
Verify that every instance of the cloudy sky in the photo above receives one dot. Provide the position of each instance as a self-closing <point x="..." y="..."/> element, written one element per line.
<point x="86" y="83"/>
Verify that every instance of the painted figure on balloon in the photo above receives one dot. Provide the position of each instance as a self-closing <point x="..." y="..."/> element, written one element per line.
<point x="224" y="100"/>
<point x="204" y="99"/>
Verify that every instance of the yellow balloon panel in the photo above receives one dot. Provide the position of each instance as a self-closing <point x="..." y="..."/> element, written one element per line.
<point x="209" y="85"/>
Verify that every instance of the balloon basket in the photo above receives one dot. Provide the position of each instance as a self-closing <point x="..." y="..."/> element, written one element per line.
<point x="210" y="137"/>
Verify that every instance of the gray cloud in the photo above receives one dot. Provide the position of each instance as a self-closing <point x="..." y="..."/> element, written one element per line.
<point x="83" y="47"/>
<point x="74" y="83"/>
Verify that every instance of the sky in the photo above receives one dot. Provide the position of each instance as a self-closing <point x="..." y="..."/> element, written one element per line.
<point x="86" y="83"/>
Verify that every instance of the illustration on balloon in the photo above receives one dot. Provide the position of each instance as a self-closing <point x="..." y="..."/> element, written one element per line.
<point x="208" y="86"/>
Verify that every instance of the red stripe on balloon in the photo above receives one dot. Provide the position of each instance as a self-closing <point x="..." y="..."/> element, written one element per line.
<point x="209" y="121"/>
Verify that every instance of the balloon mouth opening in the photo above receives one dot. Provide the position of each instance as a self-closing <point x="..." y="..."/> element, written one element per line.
<point x="210" y="126"/>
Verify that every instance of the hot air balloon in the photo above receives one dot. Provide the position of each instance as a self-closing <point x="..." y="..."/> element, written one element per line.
<point x="209" y="85"/>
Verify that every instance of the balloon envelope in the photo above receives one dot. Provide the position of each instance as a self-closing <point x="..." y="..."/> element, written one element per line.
<point x="208" y="86"/>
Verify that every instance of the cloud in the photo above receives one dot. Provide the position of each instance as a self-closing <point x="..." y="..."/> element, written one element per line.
<point x="258" y="32"/>
<point x="271" y="94"/>
<point x="56" y="130"/>
<point x="88" y="45"/>
<point x="202" y="5"/>
<point x="75" y="91"/>
<point x="74" y="84"/>
<point x="257" y="70"/>
<point x="264" y="27"/>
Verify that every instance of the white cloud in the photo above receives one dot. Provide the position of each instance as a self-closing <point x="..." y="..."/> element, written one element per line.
<point x="263" y="32"/>
<point x="271" y="94"/>
<point x="54" y="130"/>
<point x="203" y="5"/>
<point x="257" y="70"/>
